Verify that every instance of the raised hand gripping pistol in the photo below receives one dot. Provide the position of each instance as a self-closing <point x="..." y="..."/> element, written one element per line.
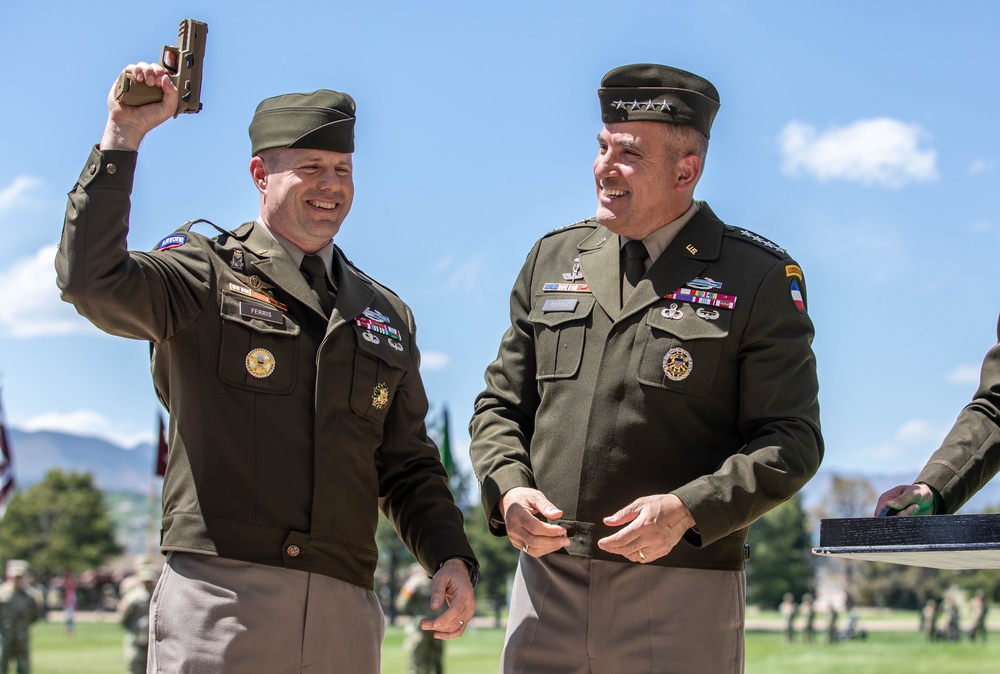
<point x="184" y="63"/>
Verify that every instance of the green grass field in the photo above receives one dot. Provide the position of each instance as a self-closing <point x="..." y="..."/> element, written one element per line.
<point x="96" y="649"/>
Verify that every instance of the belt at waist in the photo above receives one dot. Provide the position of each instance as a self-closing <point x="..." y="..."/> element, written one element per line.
<point x="729" y="553"/>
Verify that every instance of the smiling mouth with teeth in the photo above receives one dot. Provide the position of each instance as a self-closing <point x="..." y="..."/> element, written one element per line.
<point x="328" y="205"/>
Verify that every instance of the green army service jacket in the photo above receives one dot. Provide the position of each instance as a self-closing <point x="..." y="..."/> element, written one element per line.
<point x="703" y="385"/>
<point x="969" y="457"/>
<point x="287" y="432"/>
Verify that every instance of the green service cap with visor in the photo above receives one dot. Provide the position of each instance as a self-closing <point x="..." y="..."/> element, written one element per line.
<point x="647" y="92"/>
<point x="320" y="120"/>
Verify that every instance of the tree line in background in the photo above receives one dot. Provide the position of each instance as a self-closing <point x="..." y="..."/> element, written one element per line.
<point x="63" y="524"/>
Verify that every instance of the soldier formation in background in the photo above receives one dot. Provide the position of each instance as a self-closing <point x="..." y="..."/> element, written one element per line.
<point x="20" y="606"/>
<point x="942" y="620"/>
<point x="136" y="592"/>
<point x="424" y="653"/>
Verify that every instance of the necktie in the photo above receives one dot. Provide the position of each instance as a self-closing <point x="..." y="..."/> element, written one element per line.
<point x="635" y="254"/>
<point x="315" y="272"/>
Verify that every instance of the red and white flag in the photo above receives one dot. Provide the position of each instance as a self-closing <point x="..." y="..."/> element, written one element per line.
<point x="161" y="450"/>
<point x="6" y="466"/>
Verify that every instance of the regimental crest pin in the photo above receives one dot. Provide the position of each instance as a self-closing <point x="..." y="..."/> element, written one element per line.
<point x="677" y="364"/>
<point x="380" y="396"/>
<point x="260" y="363"/>
<point x="237" y="263"/>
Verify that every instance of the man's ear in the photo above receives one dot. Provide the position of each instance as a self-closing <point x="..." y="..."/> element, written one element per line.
<point x="258" y="171"/>
<point x="688" y="171"/>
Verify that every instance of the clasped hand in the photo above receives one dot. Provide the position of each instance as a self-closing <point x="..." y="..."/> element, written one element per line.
<point x="652" y="525"/>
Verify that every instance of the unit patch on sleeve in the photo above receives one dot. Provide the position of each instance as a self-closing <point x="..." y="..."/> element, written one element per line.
<point x="797" y="299"/>
<point x="172" y="241"/>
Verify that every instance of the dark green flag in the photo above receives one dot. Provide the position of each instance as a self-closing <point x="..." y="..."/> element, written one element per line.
<point x="444" y="444"/>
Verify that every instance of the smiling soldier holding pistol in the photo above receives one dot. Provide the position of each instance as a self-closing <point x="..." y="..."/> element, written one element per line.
<point x="295" y="398"/>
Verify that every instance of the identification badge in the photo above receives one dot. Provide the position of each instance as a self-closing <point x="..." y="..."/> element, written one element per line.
<point x="559" y="305"/>
<point x="263" y="297"/>
<point x="269" y="314"/>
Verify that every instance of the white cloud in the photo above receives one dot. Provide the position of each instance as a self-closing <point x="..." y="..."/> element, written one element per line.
<point x="88" y="424"/>
<point x="879" y="151"/>
<point x="981" y="165"/>
<point x="460" y="276"/>
<point x="18" y="193"/>
<point x="31" y="305"/>
<point x="966" y="373"/>
<point x="434" y="360"/>
<point x="911" y="444"/>
<point x="983" y="226"/>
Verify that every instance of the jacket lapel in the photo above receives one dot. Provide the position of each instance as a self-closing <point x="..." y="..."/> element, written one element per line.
<point x="275" y="265"/>
<point x="354" y="295"/>
<point x="684" y="259"/>
<point x="599" y="254"/>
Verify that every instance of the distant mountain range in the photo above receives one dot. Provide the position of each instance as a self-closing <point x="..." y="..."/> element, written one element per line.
<point x="117" y="469"/>
<point x="114" y="468"/>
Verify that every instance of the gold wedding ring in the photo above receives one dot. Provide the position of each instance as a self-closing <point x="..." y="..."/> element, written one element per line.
<point x="641" y="556"/>
<point x="525" y="547"/>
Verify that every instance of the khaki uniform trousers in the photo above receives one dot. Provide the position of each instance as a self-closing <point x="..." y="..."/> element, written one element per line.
<point x="576" y="615"/>
<point x="213" y="615"/>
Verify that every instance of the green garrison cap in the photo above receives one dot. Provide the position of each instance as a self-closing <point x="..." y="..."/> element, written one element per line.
<point x="647" y="92"/>
<point x="321" y="120"/>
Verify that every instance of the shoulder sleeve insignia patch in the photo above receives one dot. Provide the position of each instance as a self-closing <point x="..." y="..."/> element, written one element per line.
<point x="172" y="241"/>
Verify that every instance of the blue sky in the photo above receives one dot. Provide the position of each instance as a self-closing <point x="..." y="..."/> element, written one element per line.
<point x="859" y="136"/>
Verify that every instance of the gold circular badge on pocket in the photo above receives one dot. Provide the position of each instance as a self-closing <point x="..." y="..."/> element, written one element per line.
<point x="380" y="396"/>
<point x="260" y="363"/>
<point x="677" y="364"/>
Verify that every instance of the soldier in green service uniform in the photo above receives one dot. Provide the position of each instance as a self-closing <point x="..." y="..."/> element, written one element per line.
<point x="967" y="459"/>
<point x="655" y="393"/>
<point x="19" y="608"/>
<point x="424" y="653"/>
<point x="134" y="609"/>
<point x="296" y="405"/>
